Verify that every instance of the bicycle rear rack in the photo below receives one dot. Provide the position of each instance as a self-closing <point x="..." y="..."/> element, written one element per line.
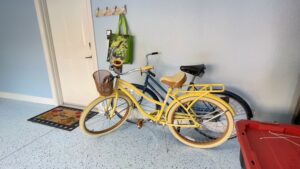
<point x="204" y="88"/>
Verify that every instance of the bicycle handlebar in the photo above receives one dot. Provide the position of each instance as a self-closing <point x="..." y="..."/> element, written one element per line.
<point x="117" y="66"/>
<point x="142" y="70"/>
<point x="128" y="72"/>
<point x="149" y="54"/>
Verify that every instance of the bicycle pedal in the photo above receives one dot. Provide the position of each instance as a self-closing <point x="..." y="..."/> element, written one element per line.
<point x="140" y="123"/>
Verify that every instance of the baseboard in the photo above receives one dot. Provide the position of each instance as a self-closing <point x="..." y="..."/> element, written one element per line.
<point x="27" y="98"/>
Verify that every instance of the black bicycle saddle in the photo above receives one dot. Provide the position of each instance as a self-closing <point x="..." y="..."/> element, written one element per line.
<point x="195" y="70"/>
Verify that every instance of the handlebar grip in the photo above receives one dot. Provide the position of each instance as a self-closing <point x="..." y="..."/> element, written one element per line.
<point x="151" y="73"/>
<point x="146" y="68"/>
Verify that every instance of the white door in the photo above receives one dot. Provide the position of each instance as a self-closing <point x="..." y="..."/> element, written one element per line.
<point x="73" y="40"/>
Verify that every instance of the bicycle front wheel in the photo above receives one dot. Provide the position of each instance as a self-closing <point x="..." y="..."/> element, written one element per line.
<point x="178" y="118"/>
<point x="105" y="114"/>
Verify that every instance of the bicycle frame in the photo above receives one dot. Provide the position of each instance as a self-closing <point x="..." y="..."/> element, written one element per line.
<point x="124" y="86"/>
<point x="147" y="83"/>
<point x="191" y="86"/>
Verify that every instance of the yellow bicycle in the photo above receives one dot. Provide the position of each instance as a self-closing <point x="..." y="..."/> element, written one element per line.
<point x="109" y="111"/>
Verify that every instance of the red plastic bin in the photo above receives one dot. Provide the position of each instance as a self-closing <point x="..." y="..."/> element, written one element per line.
<point x="269" y="146"/>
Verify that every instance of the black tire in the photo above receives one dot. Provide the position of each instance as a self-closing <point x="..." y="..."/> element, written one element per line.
<point x="242" y="160"/>
<point x="148" y="92"/>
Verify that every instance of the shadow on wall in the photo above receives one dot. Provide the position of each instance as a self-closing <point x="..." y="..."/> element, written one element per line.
<point x="290" y="115"/>
<point x="282" y="71"/>
<point x="282" y="82"/>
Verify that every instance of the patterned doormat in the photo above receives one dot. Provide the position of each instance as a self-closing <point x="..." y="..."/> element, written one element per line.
<point x="61" y="117"/>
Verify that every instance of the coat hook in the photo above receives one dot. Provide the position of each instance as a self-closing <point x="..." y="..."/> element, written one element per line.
<point x="97" y="12"/>
<point x="106" y="10"/>
<point x="111" y="11"/>
<point x="125" y="9"/>
<point x="115" y="11"/>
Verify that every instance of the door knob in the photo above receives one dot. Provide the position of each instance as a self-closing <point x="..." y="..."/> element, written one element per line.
<point x="89" y="57"/>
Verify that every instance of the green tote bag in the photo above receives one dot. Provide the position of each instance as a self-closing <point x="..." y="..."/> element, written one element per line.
<point x="121" y="43"/>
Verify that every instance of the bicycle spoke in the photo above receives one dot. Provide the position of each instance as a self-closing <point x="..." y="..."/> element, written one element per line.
<point x="213" y="118"/>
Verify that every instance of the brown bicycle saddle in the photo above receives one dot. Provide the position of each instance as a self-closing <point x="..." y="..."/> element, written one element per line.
<point x="175" y="81"/>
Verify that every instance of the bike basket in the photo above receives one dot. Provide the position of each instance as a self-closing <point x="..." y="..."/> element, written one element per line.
<point x="104" y="82"/>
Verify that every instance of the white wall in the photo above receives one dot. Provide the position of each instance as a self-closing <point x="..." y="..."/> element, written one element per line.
<point x="251" y="46"/>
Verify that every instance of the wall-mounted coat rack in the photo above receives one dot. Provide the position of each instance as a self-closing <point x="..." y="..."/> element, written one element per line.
<point x="111" y="11"/>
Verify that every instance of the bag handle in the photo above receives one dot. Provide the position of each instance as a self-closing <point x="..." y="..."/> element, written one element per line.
<point x="122" y="24"/>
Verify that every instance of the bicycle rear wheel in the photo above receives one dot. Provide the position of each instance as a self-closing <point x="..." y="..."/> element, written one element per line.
<point x="178" y="117"/>
<point x="239" y="105"/>
<point x="99" y="118"/>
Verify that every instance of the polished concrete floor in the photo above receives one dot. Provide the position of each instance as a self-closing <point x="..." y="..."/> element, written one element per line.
<point x="30" y="145"/>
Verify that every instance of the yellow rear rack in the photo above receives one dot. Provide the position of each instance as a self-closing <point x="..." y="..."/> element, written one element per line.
<point x="207" y="88"/>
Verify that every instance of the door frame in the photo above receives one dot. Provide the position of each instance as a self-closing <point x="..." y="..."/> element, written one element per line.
<point x="48" y="46"/>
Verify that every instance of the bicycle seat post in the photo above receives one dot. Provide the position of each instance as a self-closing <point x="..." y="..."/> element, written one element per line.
<point x="193" y="79"/>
